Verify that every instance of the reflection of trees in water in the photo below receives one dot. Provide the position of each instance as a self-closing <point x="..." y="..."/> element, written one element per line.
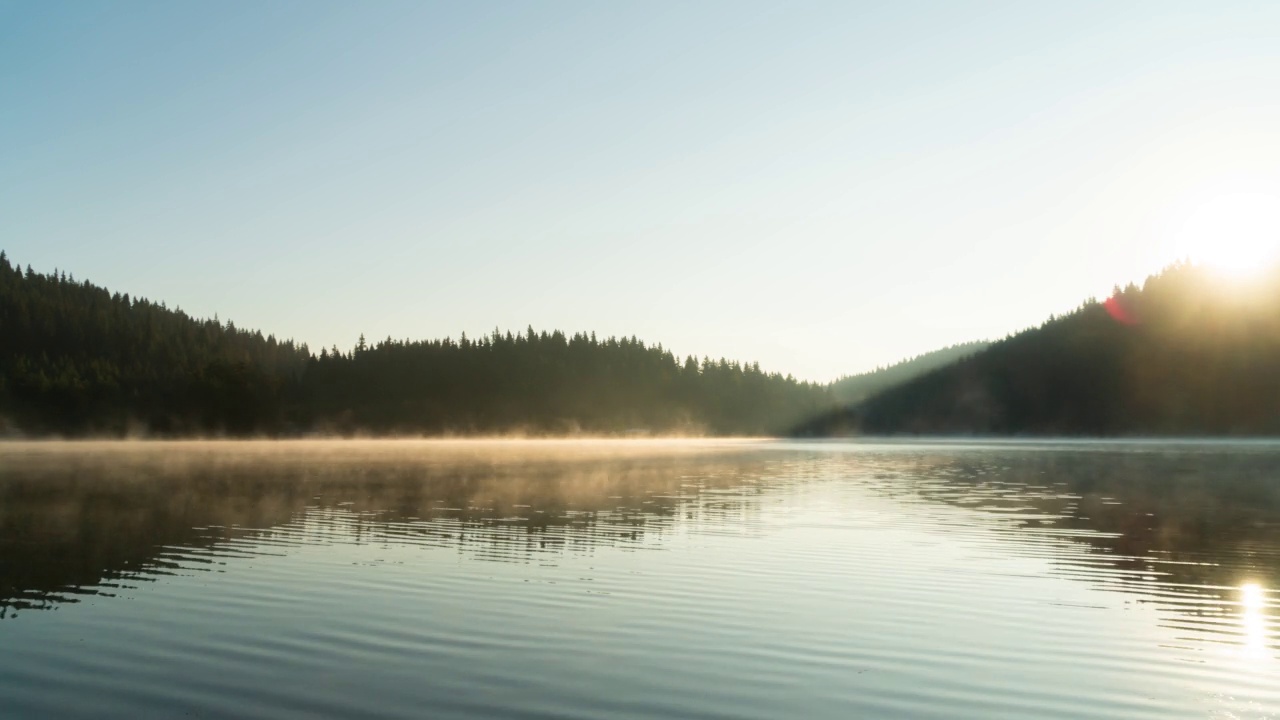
<point x="89" y="523"/>
<point x="1183" y="530"/>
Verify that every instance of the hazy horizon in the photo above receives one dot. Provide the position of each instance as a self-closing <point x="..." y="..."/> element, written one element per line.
<point x="823" y="188"/>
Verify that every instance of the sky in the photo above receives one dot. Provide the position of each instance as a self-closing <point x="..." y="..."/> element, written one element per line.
<point x="822" y="187"/>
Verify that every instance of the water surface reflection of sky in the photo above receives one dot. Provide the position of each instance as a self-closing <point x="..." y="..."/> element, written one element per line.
<point x="740" y="579"/>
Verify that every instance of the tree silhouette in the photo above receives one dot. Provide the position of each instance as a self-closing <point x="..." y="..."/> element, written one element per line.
<point x="76" y="359"/>
<point x="1188" y="353"/>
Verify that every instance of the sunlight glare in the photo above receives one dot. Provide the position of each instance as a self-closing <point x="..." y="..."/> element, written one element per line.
<point x="1238" y="234"/>
<point x="1253" y="604"/>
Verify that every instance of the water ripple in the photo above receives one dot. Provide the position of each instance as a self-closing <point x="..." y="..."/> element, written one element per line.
<point x="746" y="581"/>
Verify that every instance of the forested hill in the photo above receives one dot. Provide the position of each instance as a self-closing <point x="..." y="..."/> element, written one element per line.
<point x="1188" y="353"/>
<point x="76" y="359"/>
<point x="856" y="388"/>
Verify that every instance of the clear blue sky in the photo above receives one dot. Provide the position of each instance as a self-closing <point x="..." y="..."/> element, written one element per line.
<point x="822" y="187"/>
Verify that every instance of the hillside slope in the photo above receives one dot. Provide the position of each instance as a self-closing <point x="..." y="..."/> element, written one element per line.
<point x="856" y="388"/>
<point x="1188" y="353"/>
<point x="76" y="359"/>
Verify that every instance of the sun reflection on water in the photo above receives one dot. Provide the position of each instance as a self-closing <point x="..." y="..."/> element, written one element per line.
<point x="1253" y="619"/>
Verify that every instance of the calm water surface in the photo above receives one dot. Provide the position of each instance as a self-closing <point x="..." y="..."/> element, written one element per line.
<point x="640" y="579"/>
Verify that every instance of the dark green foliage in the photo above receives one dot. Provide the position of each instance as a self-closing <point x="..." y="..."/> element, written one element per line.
<point x="1190" y="353"/>
<point x="547" y="383"/>
<point x="75" y="359"/>
<point x="856" y="388"/>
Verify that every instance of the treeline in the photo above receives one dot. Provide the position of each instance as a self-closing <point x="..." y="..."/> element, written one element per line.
<point x="856" y="388"/>
<point x="1188" y="353"/>
<point x="76" y="359"/>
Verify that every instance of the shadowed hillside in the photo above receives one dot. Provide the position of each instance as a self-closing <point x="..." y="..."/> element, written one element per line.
<point x="856" y="388"/>
<point x="76" y="359"/>
<point x="1188" y="353"/>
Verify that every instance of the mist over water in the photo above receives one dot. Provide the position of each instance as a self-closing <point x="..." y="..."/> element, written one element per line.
<point x="743" y="579"/>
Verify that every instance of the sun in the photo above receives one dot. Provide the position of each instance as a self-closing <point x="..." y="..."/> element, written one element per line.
<point x="1237" y="234"/>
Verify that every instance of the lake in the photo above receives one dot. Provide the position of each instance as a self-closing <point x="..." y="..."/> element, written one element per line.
<point x="640" y="579"/>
